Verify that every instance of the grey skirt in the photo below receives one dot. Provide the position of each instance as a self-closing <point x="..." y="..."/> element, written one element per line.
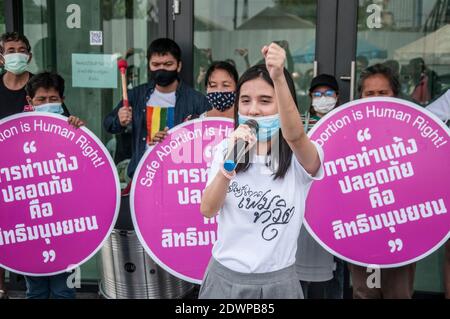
<point x="222" y="283"/>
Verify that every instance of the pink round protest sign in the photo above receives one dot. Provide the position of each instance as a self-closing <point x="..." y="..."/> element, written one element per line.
<point x="59" y="194"/>
<point x="385" y="195"/>
<point x="166" y="195"/>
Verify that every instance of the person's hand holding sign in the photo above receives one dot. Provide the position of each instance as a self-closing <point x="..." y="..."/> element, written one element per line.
<point x="159" y="137"/>
<point x="125" y="116"/>
<point x="75" y="121"/>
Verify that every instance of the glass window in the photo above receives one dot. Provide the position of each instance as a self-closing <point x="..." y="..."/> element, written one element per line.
<point x="413" y="38"/>
<point x="410" y="36"/>
<point x="115" y="28"/>
<point x="2" y="26"/>
<point x="67" y="34"/>
<point x="237" y="30"/>
<point x="2" y="17"/>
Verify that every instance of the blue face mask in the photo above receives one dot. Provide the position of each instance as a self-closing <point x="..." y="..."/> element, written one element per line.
<point x="55" y="108"/>
<point x="269" y="126"/>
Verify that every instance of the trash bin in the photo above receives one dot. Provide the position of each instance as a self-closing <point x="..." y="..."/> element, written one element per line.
<point x="128" y="272"/>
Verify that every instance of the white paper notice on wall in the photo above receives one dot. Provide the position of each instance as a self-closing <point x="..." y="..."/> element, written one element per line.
<point x="94" y="71"/>
<point x="96" y="37"/>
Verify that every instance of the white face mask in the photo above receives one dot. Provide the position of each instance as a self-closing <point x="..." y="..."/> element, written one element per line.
<point x="324" y="104"/>
<point x="55" y="108"/>
<point x="16" y="63"/>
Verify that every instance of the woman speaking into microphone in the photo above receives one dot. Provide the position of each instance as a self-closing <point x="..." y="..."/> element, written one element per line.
<point x="261" y="200"/>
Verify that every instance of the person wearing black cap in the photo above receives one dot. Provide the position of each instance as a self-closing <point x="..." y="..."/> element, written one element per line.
<point x="324" y="94"/>
<point x="316" y="268"/>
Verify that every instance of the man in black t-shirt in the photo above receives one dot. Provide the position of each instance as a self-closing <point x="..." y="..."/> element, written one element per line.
<point x="15" y="56"/>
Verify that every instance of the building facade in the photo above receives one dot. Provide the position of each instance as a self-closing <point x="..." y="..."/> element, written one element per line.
<point x="338" y="37"/>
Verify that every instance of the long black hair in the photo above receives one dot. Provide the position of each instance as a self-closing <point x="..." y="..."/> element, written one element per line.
<point x="279" y="159"/>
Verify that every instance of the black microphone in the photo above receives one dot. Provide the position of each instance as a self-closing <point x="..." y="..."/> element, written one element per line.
<point x="239" y="148"/>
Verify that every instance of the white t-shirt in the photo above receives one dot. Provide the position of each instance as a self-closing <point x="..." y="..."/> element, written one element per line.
<point x="441" y="107"/>
<point x="162" y="100"/>
<point x="260" y="220"/>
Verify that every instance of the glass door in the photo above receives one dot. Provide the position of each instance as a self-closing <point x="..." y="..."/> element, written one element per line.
<point x="82" y="40"/>
<point x="2" y="26"/>
<point x="236" y="31"/>
<point x="67" y="36"/>
<point x="413" y="38"/>
<point x="410" y="36"/>
<point x="2" y="18"/>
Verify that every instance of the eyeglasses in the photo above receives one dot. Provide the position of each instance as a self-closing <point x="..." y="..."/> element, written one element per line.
<point x="327" y="93"/>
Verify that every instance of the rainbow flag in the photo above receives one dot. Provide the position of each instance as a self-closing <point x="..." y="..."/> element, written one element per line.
<point x="158" y="118"/>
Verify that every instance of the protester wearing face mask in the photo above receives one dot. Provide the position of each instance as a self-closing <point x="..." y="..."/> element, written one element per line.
<point x="379" y="80"/>
<point x="157" y="106"/>
<point x="221" y="81"/>
<point x="254" y="255"/>
<point x="324" y="94"/>
<point x="320" y="273"/>
<point x="15" y="55"/>
<point x="45" y="93"/>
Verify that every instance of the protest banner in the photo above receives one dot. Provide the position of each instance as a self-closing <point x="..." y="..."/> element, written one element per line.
<point x="385" y="196"/>
<point x="59" y="194"/>
<point x="166" y="196"/>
